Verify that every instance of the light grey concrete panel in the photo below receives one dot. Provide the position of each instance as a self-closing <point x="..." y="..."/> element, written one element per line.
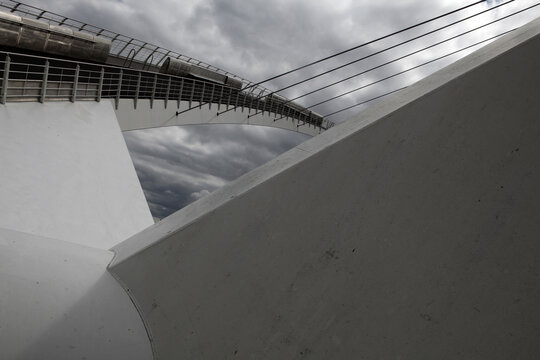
<point x="66" y="174"/>
<point x="409" y="232"/>
<point x="57" y="301"/>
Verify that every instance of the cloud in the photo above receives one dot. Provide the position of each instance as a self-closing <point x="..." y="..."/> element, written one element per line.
<point x="177" y="165"/>
<point x="199" y="194"/>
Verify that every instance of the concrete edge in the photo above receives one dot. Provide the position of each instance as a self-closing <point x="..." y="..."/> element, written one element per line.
<point x="183" y="218"/>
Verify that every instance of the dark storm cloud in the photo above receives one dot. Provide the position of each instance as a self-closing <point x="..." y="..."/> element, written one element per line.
<point x="177" y="165"/>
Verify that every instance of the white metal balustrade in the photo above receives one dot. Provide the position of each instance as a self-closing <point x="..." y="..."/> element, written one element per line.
<point x="34" y="78"/>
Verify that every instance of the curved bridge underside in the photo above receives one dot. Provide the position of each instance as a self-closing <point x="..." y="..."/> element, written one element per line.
<point x="160" y="114"/>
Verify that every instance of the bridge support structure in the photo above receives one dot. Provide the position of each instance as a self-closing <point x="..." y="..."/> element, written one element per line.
<point x="410" y="231"/>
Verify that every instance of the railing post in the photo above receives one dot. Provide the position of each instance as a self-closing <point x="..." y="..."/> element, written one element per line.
<point x="137" y="91"/>
<point x="180" y="93"/>
<point x="168" y="91"/>
<point x="202" y="95"/>
<point x="237" y="98"/>
<point x="220" y="98"/>
<point x="257" y="104"/>
<point x="192" y="92"/>
<point x="271" y="107"/>
<point x="268" y="105"/>
<point x="117" y="100"/>
<point x="44" y="83"/>
<point x="229" y="99"/>
<point x="75" y="84"/>
<point x="5" y="80"/>
<point x="153" y="92"/>
<point x="282" y="111"/>
<point x="251" y="104"/>
<point x="212" y="97"/>
<point x="100" y="85"/>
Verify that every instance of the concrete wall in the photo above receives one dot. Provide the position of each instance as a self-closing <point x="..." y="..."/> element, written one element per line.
<point x="66" y="174"/>
<point x="144" y="116"/>
<point x="409" y="232"/>
<point x="57" y="301"/>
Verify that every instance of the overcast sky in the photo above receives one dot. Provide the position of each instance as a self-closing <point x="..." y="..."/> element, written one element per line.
<point x="256" y="39"/>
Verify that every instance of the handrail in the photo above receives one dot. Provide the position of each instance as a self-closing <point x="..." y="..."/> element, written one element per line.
<point x="36" y="78"/>
<point x="121" y="45"/>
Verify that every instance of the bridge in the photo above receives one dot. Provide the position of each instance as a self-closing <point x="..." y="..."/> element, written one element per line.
<point x="129" y="76"/>
<point x="409" y="231"/>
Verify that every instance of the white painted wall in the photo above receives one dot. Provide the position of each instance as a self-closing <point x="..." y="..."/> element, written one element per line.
<point x="57" y="301"/>
<point x="409" y="232"/>
<point x="145" y="116"/>
<point x="66" y="174"/>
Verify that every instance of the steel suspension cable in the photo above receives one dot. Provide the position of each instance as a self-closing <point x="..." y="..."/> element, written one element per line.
<point x="409" y="69"/>
<point x="367" y="43"/>
<point x="392" y="76"/>
<point x="377" y="52"/>
<point x="353" y="48"/>
<point x="401" y="58"/>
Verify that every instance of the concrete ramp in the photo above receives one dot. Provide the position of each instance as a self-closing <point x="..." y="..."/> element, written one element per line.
<point x="409" y="232"/>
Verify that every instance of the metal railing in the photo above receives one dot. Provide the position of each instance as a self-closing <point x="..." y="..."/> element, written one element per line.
<point x="128" y="49"/>
<point x="35" y="78"/>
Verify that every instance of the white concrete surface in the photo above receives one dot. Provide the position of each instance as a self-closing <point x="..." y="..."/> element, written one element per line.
<point x="57" y="301"/>
<point x="66" y="174"/>
<point x="144" y="116"/>
<point x="409" y="232"/>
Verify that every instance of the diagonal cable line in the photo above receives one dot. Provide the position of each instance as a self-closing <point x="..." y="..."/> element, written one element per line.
<point x="355" y="47"/>
<point x="394" y="75"/>
<point x="409" y="69"/>
<point x="404" y="56"/>
<point x="355" y="105"/>
<point x="380" y="51"/>
<point x="397" y="59"/>
<point x="367" y="43"/>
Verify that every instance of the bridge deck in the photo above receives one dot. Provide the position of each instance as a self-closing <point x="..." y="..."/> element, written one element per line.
<point x="34" y="78"/>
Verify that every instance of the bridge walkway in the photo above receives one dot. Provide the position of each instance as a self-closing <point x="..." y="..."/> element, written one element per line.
<point x="26" y="77"/>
